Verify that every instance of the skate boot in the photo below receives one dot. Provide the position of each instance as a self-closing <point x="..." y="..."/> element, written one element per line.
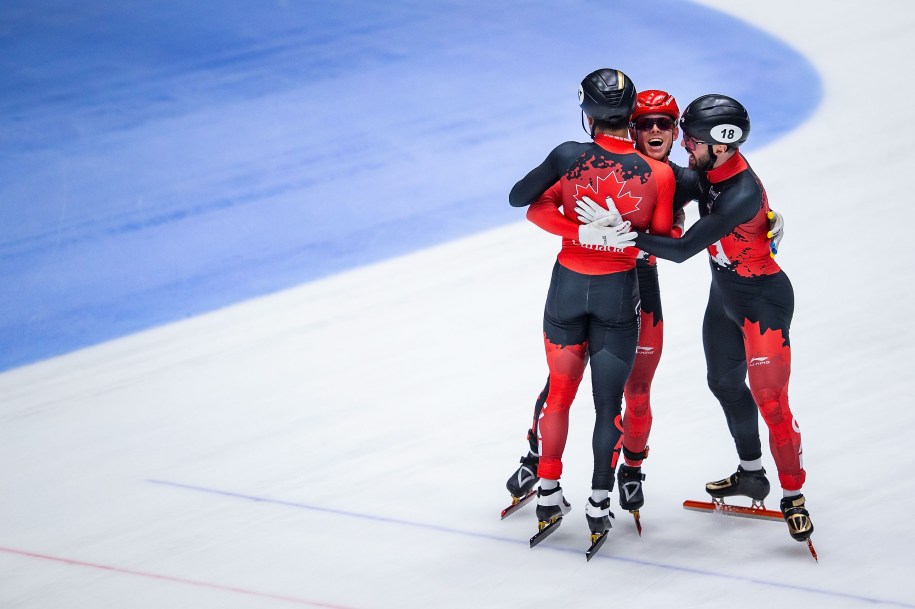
<point x="798" y="518"/>
<point x="748" y="483"/>
<point x="598" y="515"/>
<point x="522" y="482"/>
<point x="630" y="483"/>
<point x="525" y="477"/>
<point x="551" y="506"/>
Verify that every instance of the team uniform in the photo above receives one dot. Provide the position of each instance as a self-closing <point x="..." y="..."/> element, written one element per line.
<point x="637" y="419"/>
<point x="751" y="303"/>
<point x="655" y="113"/>
<point x="748" y="317"/>
<point x="745" y="328"/>
<point x="592" y="307"/>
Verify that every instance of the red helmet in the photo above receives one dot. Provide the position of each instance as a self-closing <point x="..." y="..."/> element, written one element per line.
<point x="653" y="101"/>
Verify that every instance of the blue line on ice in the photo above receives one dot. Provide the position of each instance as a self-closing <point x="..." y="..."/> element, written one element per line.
<point x="466" y="533"/>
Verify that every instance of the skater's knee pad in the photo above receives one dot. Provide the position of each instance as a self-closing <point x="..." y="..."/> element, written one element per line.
<point x="730" y="386"/>
<point x="562" y="394"/>
<point x="769" y="401"/>
<point x="728" y="394"/>
<point x="637" y="400"/>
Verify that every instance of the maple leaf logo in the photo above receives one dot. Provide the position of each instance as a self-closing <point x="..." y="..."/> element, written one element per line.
<point x="626" y="202"/>
<point x="716" y="251"/>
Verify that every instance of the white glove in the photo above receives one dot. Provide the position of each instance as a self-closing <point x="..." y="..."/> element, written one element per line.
<point x="776" y="231"/>
<point x="588" y="211"/>
<point x="597" y="235"/>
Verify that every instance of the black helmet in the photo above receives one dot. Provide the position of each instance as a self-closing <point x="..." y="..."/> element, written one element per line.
<point x="716" y="119"/>
<point x="607" y="94"/>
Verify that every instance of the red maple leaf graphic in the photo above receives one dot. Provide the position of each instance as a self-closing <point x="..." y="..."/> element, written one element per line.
<point x="626" y="203"/>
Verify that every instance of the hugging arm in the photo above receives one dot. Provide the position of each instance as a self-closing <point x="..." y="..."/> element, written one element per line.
<point x="529" y="188"/>
<point x="728" y="213"/>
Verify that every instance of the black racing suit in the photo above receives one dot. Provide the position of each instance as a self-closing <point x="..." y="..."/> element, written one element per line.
<point x="749" y="312"/>
<point x="592" y="306"/>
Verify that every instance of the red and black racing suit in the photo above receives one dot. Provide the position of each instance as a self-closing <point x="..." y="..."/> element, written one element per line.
<point x="747" y="320"/>
<point x="637" y="418"/>
<point x="592" y="306"/>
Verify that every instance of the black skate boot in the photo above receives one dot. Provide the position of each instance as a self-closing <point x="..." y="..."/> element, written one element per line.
<point x="551" y="506"/>
<point x="798" y="518"/>
<point x="630" y="483"/>
<point x="748" y="483"/>
<point x="522" y="482"/>
<point x="598" y="516"/>
<point x="525" y="477"/>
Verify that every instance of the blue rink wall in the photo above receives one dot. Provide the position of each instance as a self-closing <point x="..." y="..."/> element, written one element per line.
<point x="164" y="159"/>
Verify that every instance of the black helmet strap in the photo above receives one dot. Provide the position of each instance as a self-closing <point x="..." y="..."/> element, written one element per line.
<point x="589" y="131"/>
<point x="712" y="158"/>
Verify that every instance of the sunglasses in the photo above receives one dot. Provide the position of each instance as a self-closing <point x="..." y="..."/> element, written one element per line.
<point x="690" y="143"/>
<point x="646" y="123"/>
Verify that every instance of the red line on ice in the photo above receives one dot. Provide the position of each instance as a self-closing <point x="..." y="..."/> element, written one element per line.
<point x="171" y="578"/>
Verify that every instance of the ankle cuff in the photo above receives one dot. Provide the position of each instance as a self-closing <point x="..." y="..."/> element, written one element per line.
<point x="633" y="456"/>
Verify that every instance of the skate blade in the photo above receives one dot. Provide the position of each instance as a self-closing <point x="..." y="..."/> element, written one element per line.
<point x="546" y="529"/>
<point x="812" y="551"/>
<point x="518" y="503"/>
<point x="638" y="521"/>
<point x="597" y="540"/>
<point x="733" y="510"/>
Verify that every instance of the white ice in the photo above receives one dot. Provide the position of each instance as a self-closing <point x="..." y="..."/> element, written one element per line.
<point x="345" y="443"/>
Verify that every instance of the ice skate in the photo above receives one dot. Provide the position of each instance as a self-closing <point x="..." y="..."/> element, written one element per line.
<point x="629" y="480"/>
<point x="747" y="483"/>
<point x="521" y="483"/>
<point x="598" y="516"/>
<point x="798" y="518"/>
<point x="793" y="511"/>
<point x="551" y="507"/>
<point x="632" y="499"/>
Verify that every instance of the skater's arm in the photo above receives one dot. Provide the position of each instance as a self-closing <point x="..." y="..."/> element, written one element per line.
<point x="730" y="210"/>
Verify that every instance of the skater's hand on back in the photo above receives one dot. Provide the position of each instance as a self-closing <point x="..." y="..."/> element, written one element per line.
<point x="590" y="211"/>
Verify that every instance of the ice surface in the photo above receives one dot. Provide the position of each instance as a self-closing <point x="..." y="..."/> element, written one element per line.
<point x="345" y="443"/>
